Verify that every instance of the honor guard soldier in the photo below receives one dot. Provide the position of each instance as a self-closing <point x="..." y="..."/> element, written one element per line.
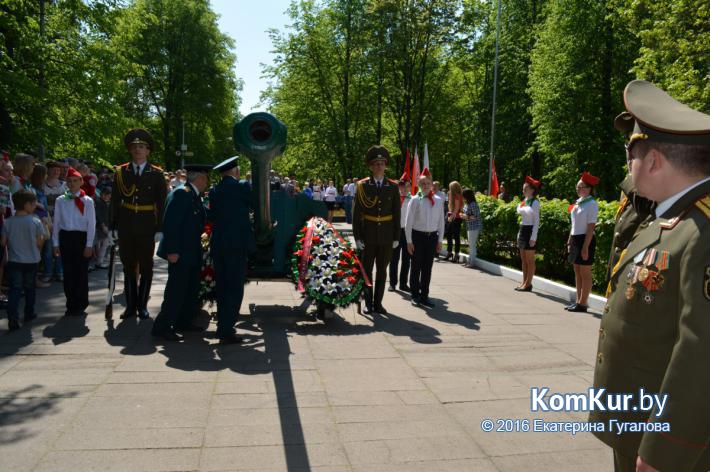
<point x="181" y="246"/>
<point x="655" y="331"/>
<point x="137" y="205"/>
<point x="231" y="241"/>
<point x="376" y="220"/>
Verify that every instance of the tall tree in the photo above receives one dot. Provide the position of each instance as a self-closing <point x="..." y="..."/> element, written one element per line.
<point x="178" y="68"/>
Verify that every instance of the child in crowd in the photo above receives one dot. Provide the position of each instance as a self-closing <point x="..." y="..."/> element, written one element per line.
<point x="54" y="188"/>
<point x="37" y="180"/>
<point x="73" y="239"/>
<point x="23" y="235"/>
<point x="472" y="216"/>
<point x="89" y="180"/>
<point x="103" y="215"/>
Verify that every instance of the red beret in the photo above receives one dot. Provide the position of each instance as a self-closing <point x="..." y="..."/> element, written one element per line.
<point x="589" y="179"/>
<point x="531" y="181"/>
<point x="72" y="172"/>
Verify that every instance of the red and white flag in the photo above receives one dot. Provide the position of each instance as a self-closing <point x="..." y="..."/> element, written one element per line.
<point x="415" y="171"/>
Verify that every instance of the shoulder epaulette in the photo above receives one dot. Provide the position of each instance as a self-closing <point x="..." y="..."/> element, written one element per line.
<point x="395" y="182"/>
<point x="125" y="164"/>
<point x="156" y="168"/>
<point x="703" y="204"/>
<point x="362" y="181"/>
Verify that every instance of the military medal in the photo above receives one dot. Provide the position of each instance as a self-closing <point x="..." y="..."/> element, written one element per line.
<point x="630" y="292"/>
<point x="648" y="298"/>
<point x="643" y="274"/>
<point x="665" y="260"/>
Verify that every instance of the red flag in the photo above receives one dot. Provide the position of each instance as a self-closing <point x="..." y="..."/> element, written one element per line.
<point x="406" y="175"/>
<point x="495" y="189"/>
<point x="415" y="172"/>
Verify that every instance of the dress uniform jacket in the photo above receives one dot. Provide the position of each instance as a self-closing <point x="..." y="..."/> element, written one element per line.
<point x="138" y="202"/>
<point x="230" y="203"/>
<point x="655" y="334"/>
<point x="182" y="235"/>
<point x="633" y="210"/>
<point x="183" y="226"/>
<point x="376" y="214"/>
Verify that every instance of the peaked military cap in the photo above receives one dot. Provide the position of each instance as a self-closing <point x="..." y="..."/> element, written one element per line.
<point x="198" y="168"/>
<point x="139" y="136"/>
<point x="376" y="153"/>
<point x="227" y="164"/>
<point x="661" y="118"/>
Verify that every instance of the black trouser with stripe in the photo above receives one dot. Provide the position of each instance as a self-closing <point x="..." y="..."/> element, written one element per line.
<point x="422" y="262"/>
<point x="76" y="269"/>
<point x="378" y="255"/>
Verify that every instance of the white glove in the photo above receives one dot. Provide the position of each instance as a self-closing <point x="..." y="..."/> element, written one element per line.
<point x="360" y="245"/>
<point x="395" y="244"/>
<point x="158" y="237"/>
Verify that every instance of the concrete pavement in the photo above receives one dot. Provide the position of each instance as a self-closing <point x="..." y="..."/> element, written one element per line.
<point x="402" y="392"/>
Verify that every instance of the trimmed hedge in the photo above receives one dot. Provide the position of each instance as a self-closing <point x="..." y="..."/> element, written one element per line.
<point x="498" y="239"/>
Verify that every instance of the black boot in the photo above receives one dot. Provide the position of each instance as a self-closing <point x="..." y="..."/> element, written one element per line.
<point x="143" y="296"/>
<point x="367" y="292"/>
<point x="131" y="292"/>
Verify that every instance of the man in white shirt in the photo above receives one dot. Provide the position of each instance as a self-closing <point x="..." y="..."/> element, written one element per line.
<point x="424" y="230"/>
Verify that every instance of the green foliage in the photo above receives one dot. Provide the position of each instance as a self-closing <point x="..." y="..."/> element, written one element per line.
<point x="498" y="239"/>
<point x="99" y="67"/>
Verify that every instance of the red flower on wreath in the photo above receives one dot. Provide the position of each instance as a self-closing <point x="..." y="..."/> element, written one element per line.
<point x="342" y="263"/>
<point x="340" y="273"/>
<point x="299" y="253"/>
<point x="208" y="228"/>
<point x="356" y="270"/>
<point x="351" y="279"/>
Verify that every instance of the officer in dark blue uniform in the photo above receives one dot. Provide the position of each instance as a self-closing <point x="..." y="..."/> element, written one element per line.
<point x="181" y="246"/>
<point x="232" y="238"/>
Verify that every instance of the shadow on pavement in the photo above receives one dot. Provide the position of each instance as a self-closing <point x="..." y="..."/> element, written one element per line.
<point x="19" y="407"/>
<point x="66" y="328"/>
<point x="440" y="312"/>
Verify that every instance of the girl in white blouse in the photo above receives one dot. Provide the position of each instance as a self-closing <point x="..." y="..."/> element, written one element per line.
<point x="529" y="210"/>
<point x="581" y="243"/>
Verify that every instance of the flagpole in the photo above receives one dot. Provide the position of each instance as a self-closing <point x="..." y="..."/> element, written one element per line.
<point x="495" y="92"/>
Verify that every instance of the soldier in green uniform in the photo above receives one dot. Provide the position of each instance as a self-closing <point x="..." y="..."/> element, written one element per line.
<point x="181" y="246"/>
<point x="137" y="204"/>
<point x="376" y="224"/>
<point x="633" y="209"/>
<point x="655" y="331"/>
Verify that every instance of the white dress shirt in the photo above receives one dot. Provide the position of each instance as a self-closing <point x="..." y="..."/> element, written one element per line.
<point x="67" y="217"/>
<point x="531" y="217"/>
<point x="425" y="217"/>
<point x="403" y="211"/>
<point x="666" y="204"/>
<point x="583" y="215"/>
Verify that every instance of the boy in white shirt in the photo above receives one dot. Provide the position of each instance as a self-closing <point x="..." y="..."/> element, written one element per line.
<point x="424" y="230"/>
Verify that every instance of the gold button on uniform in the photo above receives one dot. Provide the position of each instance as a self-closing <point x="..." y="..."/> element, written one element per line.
<point x="600" y="357"/>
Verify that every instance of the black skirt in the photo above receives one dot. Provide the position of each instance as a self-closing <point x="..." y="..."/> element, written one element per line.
<point x="576" y="250"/>
<point x="330" y="205"/>
<point x="524" y="238"/>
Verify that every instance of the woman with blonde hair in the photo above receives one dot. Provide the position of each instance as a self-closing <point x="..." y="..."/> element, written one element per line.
<point x="453" y="218"/>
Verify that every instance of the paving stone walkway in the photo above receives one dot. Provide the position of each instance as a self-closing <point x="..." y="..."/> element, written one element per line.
<point x="402" y="392"/>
